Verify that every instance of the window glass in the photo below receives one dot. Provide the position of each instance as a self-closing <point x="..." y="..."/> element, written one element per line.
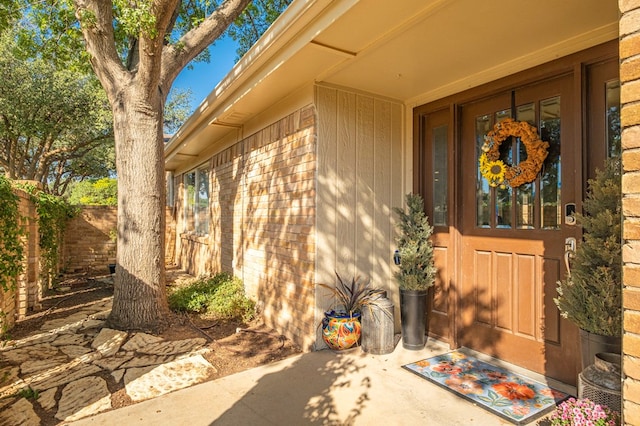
<point x="190" y="201"/>
<point x="202" y="219"/>
<point x="525" y="193"/>
<point x="550" y="181"/>
<point x="196" y="201"/>
<point x="483" y="195"/>
<point x="440" y="176"/>
<point x="613" y="118"/>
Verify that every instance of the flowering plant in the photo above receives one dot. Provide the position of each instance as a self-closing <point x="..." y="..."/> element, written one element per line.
<point x="583" y="412"/>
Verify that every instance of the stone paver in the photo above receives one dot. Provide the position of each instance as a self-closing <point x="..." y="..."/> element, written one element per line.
<point x="37" y="351"/>
<point x="139" y="341"/>
<point x="34" y="365"/>
<point x="82" y="398"/>
<point x="150" y="382"/>
<point x="108" y="341"/>
<point x="19" y="413"/>
<point x="69" y="339"/>
<point x="47" y="399"/>
<point x="74" y="351"/>
<point x="147" y="360"/>
<point x="61" y="375"/>
<point x="112" y="363"/>
<point x="66" y="364"/>
<point x="172" y="347"/>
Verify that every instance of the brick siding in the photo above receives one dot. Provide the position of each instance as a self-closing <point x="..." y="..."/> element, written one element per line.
<point x="26" y="294"/>
<point x="262" y="192"/>
<point x="90" y="240"/>
<point x="630" y="121"/>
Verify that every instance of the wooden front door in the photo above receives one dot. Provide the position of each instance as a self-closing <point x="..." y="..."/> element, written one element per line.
<point x="513" y="239"/>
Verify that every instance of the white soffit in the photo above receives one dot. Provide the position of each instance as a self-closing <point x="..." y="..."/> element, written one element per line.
<point x="410" y="50"/>
<point x="449" y="41"/>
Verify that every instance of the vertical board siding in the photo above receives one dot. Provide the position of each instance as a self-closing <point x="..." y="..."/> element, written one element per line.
<point x="359" y="182"/>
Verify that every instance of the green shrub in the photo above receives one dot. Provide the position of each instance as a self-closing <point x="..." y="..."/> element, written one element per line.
<point x="221" y="296"/>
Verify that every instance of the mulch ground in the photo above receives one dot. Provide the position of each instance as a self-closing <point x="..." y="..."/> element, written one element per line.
<point x="234" y="345"/>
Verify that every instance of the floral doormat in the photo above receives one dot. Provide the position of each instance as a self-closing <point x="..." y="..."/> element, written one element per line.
<point x="511" y="396"/>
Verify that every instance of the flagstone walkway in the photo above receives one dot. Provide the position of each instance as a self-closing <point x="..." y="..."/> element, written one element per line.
<point x="75" y="363"/>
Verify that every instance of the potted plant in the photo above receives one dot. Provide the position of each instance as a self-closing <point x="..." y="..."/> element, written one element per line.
<point x="591" y="294"/>
<point x="416" y="272"/>
<point x="583" y="412"/>
<point x="341" y="328"/>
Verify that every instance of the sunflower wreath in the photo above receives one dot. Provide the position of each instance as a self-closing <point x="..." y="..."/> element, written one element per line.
<point x="500" y="174"/>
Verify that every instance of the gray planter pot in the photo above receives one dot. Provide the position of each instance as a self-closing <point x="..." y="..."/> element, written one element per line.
<point x="591" y="344"/>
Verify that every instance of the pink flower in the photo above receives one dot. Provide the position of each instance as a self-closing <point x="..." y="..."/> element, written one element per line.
<point x="583" y="412"/>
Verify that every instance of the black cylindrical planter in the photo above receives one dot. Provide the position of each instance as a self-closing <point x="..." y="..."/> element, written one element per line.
<point x="413" y="316"/>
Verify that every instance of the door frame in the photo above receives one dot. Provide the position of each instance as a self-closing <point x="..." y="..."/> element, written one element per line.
<point x="574" y="64"/>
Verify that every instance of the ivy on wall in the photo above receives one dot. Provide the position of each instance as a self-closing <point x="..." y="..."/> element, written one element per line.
<point x="53" y="214"/>
<point x="11" y="231"/>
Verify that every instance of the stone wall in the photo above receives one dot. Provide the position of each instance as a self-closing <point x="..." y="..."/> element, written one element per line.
<point x="630" y="121"/>
<point x="262" y="229"/>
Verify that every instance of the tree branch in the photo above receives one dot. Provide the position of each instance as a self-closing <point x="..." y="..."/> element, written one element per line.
<point x="96" y="22"/>
<point x="176" y="57"/>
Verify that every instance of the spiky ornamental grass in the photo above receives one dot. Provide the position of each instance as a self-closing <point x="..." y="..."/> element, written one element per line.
<point x="591" y="295"/>
<point x="417" y="270"/>
<point x="353" y="297"/>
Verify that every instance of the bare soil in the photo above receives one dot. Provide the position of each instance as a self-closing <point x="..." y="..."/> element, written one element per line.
<point x="234" y="345"/>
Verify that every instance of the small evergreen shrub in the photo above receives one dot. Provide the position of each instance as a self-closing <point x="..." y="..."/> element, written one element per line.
<point x="221" y="296"/>
<point x="417" y="270"/>
<point x="591" y="296"/>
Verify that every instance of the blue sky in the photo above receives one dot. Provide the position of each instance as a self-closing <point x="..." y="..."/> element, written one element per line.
<point x="204" y="77"/>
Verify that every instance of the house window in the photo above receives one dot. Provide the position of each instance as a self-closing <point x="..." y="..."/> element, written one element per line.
<point x="196" y="207"/>
<point x="170" y="188"/>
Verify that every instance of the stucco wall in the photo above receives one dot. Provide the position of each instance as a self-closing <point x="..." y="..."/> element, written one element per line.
<point x="630" y="121"/>
<point x="359" y="182"/>
<point x="262" y="195"/>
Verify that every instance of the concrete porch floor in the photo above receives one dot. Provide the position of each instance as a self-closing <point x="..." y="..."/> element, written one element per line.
<point x="321" y="387"/>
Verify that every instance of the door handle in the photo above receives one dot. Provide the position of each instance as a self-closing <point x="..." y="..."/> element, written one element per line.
<point x="569" y="252"/>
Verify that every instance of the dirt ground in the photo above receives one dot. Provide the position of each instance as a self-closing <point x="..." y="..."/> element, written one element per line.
<point x="235" y="346"/>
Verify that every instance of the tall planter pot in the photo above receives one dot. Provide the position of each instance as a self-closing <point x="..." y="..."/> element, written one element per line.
<point x="413" y="317"/>
<point x="591" y="344"/>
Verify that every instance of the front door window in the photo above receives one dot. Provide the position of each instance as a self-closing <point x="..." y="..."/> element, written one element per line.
<point x="534" y="205"/>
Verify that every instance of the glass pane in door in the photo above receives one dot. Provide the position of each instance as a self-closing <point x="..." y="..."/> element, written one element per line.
<point x="550" y="182"/>
<point x="525" y="193"/>
<point x="612" y="99"/>
<point x="483" y="195"/>
<point x="440" y="176"/>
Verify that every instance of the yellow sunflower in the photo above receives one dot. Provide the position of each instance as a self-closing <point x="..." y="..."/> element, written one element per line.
<point x="493" y="171"/>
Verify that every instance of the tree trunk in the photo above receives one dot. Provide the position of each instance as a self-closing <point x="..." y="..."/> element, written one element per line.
<point x="139" y="299"/>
